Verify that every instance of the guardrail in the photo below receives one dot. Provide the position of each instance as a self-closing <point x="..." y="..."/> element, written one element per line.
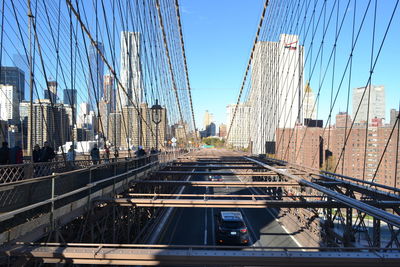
<point x="17" y="172"/>
<point x="29" y="199"/>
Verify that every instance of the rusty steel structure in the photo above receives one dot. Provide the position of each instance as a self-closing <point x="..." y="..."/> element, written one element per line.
<point x="113" y="228"/>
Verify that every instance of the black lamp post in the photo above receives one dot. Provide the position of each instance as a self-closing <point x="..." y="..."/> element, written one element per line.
<point x="156" y="118"/>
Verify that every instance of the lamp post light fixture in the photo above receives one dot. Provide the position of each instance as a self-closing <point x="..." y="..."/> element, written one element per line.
<point x="156" y="110"/>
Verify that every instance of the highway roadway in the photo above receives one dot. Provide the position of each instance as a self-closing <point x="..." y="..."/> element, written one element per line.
<point x="196" y="226"/>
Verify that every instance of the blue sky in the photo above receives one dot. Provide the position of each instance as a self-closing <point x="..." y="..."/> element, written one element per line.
<point x="219" y="36"/>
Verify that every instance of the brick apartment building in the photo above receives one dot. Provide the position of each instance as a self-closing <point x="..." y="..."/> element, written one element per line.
<point x="318" y="148"/>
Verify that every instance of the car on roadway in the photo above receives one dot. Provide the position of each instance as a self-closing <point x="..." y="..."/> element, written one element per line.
<point x="215" y="177"/>
<point x="231" y="229"/>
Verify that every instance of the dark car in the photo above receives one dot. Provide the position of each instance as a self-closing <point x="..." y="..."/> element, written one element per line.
<point x="231" y="229"/>
<point x="214" y="177"/>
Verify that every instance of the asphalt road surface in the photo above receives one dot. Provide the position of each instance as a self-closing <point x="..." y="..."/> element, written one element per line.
<point x="196" y="226"/>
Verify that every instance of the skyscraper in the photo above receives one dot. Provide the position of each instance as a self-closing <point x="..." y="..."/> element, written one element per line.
<point x="263" y="97"/>
<point x="376" y="103"/>
<point x="21" y="62"/>
<point x="239" y="132"/>
<point x="16" y="77"/>
<point x="83" y="111"/>
<point x="70" y="97"/>
<point x="49" y="124"/>
<point x="96" y="72"/>
<point x="51" y="91"/>
<point x="291" y="68"/>
<point x="309" y="107"/>
<point x="276" y="89"/>
<point x="208" y="119"/>
<point x="109" y="92"/>
<point x="131" y="77"/>
<point x="9" y="104"/>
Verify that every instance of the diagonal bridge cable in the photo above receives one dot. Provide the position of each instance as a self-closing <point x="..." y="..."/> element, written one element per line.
<point x="248" y="67"/>
<point x="185" y="63"/>
<point x="85" y="29"/>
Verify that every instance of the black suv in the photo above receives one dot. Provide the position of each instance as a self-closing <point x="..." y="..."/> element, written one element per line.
<point x="231" y="229"/>
<point x="215" y="177"/>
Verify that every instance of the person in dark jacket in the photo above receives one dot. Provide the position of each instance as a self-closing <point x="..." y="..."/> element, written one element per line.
<point x="16" y="155"/>
<point x="95" y="154"/>
<point x="4" y="154"/>
<point x="47" y="153"/>
<point x="36" y="153"/>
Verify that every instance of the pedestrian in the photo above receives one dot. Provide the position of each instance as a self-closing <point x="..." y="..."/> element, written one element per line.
<point x="116" y="153"/>
<point x="36" y="153"/>
<point x="19" y="154"/>
<point x="106" y="154"/>
<point x="95" y="154"/>
<point x="154" y="152"/>
<point x="140" y="152"/>
<point x="47" y="153"/>
<point x="71" y="153"/>
<point x="4" y="154"/>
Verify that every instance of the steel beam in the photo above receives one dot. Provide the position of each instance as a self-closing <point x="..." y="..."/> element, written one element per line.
<point x="228" y="203"/>
<point x="189" y="256"/>
<point x="215" y="167"/>
<point x="214" y="163"/>
<point x="219" y="184"/>
<point x="351" y="202"/>
<point x="226" y="173"/>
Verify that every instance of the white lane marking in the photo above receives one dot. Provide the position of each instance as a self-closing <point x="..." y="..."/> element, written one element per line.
<point x="252" y="234"/>
<point x="205" y="227"/>
<point x="157" y="232"/>
<point x="213" y="225"/>
<point x="276" y="219"/>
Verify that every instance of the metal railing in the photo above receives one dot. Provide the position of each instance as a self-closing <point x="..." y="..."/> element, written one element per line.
<point x="27" y="198"/>
<point x="19" y="172"/>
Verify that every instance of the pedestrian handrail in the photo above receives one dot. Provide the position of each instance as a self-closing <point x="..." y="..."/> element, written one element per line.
<point x="18" y="172"/>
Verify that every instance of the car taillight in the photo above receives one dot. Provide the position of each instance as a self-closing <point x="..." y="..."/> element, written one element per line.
<point x="244" y="230"/>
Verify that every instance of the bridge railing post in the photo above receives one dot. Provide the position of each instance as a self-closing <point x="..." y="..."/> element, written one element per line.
<point x="53" y="191"/>
<point x="376" y="233"/>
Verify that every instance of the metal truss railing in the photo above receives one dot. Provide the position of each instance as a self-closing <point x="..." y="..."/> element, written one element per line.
<point x="359" y="196"/>
<point x="174" y="255"/>
<point x="27" y="199"/>
<point x="18" y="172"/>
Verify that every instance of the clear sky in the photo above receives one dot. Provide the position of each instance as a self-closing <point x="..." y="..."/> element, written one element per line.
<point x="219" y="36"/>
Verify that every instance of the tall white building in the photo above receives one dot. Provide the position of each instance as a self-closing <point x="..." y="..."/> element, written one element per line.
<point x="9" y="104"/>
<point x="83" y="112"/>
<point x="239" y="134"/>
<point x="309" y="106"/>
<point x="276" y="89"/>
<point x="208" y="119"/>
<point x="263" y="97"/>
<point x="291" y="71"/>
<point x="376" y="103"/>
<point x="130" y="71"/>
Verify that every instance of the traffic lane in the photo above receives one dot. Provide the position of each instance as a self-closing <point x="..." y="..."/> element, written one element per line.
<point x="187" y="226"/>
<point x="196" y="226"/>
<point x="263" y="228"/>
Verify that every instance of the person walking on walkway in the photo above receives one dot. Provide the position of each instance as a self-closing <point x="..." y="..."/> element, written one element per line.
<point x="71" y="153"/>
<point x="47" y="153"/>
<point x="4" y="154"/>
<point x="36" y="153"/>
<point x="106" y="154"/>
<point x="95" y="154"/>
